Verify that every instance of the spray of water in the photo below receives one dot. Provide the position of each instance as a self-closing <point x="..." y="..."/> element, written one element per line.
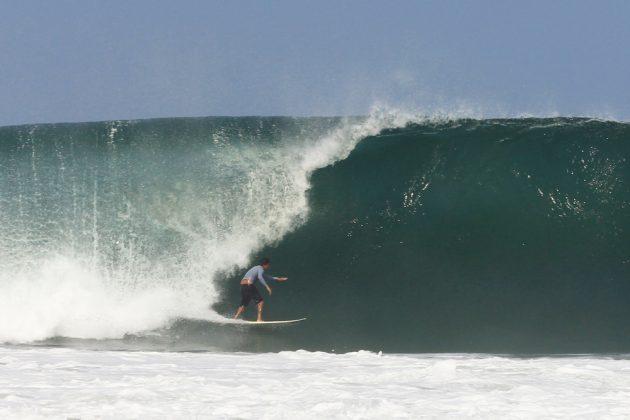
<point x="103" y="236"/>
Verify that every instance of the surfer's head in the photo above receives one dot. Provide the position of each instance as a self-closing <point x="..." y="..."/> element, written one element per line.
<point x="265" y="263"/>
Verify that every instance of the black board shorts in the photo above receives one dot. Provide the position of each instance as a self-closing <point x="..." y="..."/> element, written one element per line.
<point x="249" y="293"/>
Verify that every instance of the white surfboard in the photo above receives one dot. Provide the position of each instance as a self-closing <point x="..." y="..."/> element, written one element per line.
<point x="289" y="321"/>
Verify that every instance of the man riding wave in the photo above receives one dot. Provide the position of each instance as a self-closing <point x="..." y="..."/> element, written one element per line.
<point x="249" y="291"/>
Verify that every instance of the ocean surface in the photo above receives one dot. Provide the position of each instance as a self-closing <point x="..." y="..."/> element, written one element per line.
<point x="475" y="254"/>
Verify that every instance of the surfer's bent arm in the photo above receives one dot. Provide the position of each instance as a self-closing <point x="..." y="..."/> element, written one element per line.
<point x="261" y="278"/>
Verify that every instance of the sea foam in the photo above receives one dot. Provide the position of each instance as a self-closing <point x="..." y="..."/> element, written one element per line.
<point x="66" y="383"/>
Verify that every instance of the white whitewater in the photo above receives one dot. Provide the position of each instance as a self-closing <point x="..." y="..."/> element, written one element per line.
<point x="73" y="384"/>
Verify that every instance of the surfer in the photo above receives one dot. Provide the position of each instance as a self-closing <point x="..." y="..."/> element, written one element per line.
<point x="249" y="291"/>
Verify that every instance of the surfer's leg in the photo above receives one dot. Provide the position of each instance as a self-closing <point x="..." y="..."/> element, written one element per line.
<point x="258" y="300"/>
<point x="260" y="306"/>
<point x="246" y="296"/>
<point x="239" y="311"/>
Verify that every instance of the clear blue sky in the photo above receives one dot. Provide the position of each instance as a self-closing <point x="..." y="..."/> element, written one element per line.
<point x="97" y="60"/>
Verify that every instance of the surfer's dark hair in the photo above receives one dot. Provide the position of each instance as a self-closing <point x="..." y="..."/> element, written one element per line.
<point x="265" y="261"/>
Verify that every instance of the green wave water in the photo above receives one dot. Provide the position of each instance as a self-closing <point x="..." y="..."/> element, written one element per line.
<point x="398" y="233"/>
<point x="491" y="236"/>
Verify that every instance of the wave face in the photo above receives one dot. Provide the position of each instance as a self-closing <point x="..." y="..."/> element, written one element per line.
<point x="401" y="234"/>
